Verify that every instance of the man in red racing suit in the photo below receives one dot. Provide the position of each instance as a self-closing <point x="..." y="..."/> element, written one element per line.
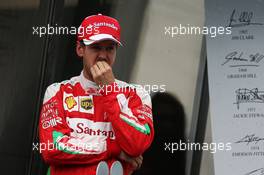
<point x="93" y="117"/>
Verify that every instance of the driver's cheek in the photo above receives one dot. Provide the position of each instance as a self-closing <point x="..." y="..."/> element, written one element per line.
<point x="92" y="59"/>
<point x="111" y="57"/>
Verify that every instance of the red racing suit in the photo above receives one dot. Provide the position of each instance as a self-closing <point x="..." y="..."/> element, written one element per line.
<point x="81" y="124"/>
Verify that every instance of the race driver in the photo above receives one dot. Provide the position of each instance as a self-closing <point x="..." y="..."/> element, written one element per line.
<point x="94" y="118"/>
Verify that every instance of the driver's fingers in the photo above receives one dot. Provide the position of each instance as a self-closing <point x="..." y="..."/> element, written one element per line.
<point x="106" y="65"/>
<point x="101" y="66"/>
<point x="96" y="70"/>
<point x="136" y="162"/>
<point x="139" y="161"/>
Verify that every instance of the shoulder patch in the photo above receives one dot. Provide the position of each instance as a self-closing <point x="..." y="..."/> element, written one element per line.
<point x="55" y="87"/>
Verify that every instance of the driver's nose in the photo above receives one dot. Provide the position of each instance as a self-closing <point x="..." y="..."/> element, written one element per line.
<point x="102" y="55"/>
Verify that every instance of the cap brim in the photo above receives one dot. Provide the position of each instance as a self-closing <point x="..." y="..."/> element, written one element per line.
<point x="100" y="37"/>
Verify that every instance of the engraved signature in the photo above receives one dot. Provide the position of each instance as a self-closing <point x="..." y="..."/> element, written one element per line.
<point x="244" y="95"/>
<point x="243" y="19"/>
<point x="250" y="138"/>
<point x="236" y="59"/>
<point x="259" y="171"/>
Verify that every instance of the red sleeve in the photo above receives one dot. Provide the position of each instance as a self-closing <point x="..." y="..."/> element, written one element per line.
<point x="131" y="116"/>
<point x="58" y="145"/>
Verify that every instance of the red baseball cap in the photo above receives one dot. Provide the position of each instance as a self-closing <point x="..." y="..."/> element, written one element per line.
<point x="98" y="28"/>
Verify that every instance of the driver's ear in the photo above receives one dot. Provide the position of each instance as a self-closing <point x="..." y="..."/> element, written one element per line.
<point x="80" y="49"/>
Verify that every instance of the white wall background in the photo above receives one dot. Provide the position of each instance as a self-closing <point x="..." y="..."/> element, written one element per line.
<point x="173" y="62"/>
<point x="162" y="59"/>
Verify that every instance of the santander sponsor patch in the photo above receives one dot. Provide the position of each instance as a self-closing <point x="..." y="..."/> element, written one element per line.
<point x="86" y="127"/>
